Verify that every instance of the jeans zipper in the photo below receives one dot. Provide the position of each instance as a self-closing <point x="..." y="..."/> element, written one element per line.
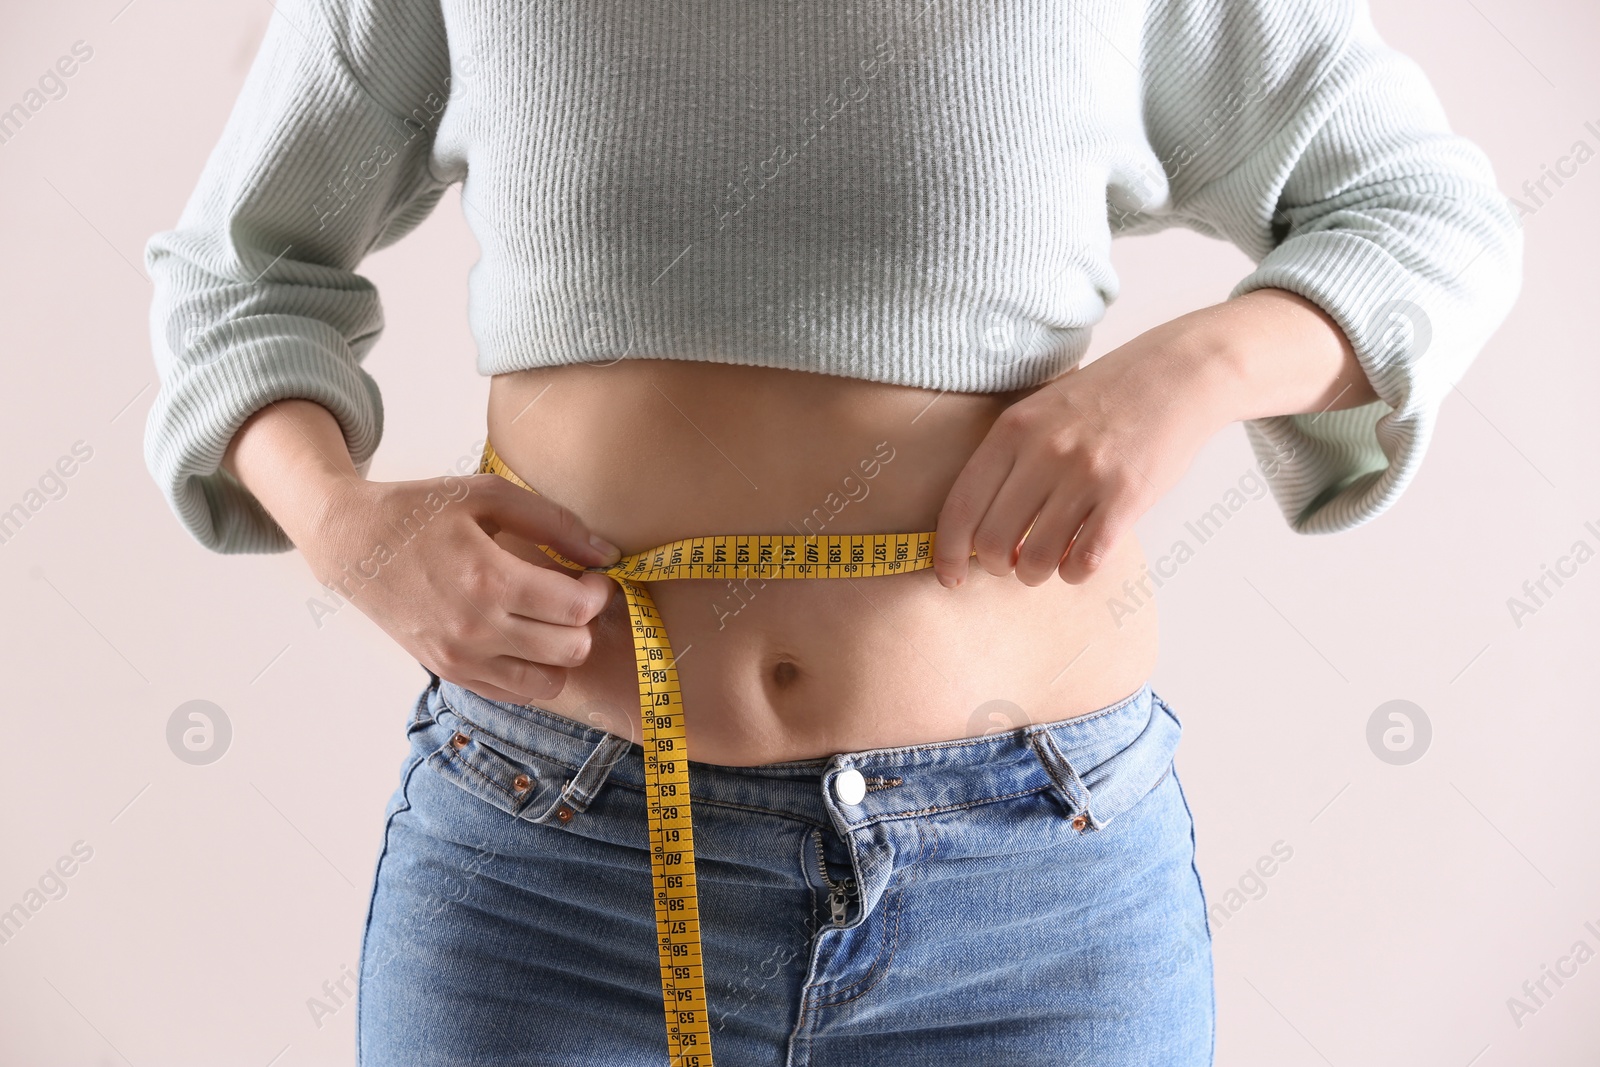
<point x="839" y="893"/>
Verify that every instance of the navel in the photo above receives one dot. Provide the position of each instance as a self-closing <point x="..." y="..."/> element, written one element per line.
<point x="785" y="673"/>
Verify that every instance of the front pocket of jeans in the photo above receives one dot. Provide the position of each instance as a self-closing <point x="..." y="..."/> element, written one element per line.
<point x="517" y="782"/>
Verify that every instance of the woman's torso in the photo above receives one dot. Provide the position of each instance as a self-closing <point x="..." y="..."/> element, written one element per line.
<point x="649" y="451"/>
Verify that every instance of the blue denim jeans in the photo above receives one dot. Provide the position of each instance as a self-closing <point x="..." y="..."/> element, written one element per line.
<point x="1022" y="898"/>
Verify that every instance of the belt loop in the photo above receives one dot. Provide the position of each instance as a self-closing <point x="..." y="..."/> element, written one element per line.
<point x="585" y="785"/>
<point x="1065" y="777"/>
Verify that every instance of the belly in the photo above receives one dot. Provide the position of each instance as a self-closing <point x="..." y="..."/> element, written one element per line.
<point x="651" y="451"/>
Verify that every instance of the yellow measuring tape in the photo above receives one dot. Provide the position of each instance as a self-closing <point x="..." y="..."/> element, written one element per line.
<point x="666" y="753"/>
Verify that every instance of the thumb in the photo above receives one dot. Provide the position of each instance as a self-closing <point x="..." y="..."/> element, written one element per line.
<point x="500" y="505"/>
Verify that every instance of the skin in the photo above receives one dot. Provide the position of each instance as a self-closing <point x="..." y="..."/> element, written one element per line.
<point x="647" y="451"/>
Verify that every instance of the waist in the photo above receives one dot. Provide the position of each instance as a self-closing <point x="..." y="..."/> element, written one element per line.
<point x="652" y="452"/>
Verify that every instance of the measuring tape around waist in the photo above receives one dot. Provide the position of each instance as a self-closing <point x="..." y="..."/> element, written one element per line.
<point x="666" y="752"/>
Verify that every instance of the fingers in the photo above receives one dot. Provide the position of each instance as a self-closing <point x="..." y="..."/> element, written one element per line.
<point x="504" y="506"/>
<point x="550" y="594"/>
<point x="516" y="681"/>
<point x="1010" y="514"/>
<point x="531" y="623"/>
<point x="539" y="614"/>
<point x="1048" y="478"/>
<point x="1092" y="547"/>
<point x="965" y="507"/>
<point x="1052" y="533"/>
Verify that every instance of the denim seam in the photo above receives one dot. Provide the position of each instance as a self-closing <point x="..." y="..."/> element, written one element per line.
<point x="888" y="941"/>
<point x="377" y="874"/>
<point x="703" y="802"/>
<point x="894" y="816"/>
<point x="588" y="782"/>
<point x="915" y="873"/>
<point x="533" y="757"/>
<point x="447" y="754"/>
<point x="532" y="713"/>
<point x="516" y="749"/>
<point x="1205" y="911"/>
<point x="1046" y="727"/>
<point x="1051" y="768"/>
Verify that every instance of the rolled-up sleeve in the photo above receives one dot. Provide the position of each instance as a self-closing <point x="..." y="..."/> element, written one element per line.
<point x="1297" y="134"/>
<point x="324" y="158"/>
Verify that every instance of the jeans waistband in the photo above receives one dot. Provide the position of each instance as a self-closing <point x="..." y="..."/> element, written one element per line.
<point x="1099" y="763"/>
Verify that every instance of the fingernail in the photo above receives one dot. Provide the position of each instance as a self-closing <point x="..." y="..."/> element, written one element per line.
<point x="610" y="551"/>
<point x="947" y="581"/>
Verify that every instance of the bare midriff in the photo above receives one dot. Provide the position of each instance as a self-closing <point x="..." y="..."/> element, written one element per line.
<point x="648" y="451"/>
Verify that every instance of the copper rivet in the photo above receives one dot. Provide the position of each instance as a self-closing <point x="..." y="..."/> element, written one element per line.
<point x="460" y="740"/>
<point x="1079" y="822"/>
<point x="564" y="813"/>
<point x="520" y="783"/>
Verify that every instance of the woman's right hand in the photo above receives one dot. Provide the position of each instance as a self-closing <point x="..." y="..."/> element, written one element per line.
<point x="419" y="559"/>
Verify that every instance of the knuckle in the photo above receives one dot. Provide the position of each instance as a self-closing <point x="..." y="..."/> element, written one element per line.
<point x="1090" y="557"/>
<point x="522" y="677"/>
<point x="959" y="511"/>
<point x="988" y="542"/>
<point x="576" y="608"/>
<point x="543" y="679"/>
<point x="459" y="631"/>
<point x="1015" y="422"/>
<point x="1102" y="463"/>
<point x="473" y="581"/>
<point x="563" y="523"/>
<point x="450" y="661"/>
<point x="1031" y="575"/>
<point x="1061" y="445"/>
<point x="485" y="491"/>
<point x="1035" y="554"/>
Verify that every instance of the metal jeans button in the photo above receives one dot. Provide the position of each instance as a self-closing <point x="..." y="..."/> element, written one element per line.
<point x="850" y="786"/>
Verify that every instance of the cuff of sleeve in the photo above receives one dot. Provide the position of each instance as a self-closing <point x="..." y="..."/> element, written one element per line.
<point x="205" y="400"/>
<point x="1331" y="471"/>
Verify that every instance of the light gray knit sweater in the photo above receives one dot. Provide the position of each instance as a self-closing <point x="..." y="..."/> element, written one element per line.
<point x="913" y="191"/>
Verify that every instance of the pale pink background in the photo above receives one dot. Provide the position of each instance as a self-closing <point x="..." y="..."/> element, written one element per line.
<point x="222" y="897"/>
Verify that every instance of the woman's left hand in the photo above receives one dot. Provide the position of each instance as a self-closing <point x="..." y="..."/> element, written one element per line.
<point x="1084" y="456"/>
